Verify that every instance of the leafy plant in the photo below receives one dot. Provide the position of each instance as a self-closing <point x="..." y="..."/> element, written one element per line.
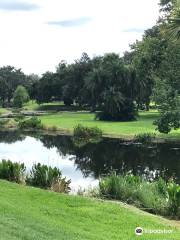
<point x="10" y="171"/>
<point x="47" y="177"/>
<point x="156" y="197"/>
<point x="144" y="137"/>
<point x="174" y="198"/>
<point x="83" y="135"/>
<point x="32" y="122"/>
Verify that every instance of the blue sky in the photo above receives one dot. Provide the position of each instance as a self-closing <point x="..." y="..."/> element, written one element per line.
<point x="37" y="34"/>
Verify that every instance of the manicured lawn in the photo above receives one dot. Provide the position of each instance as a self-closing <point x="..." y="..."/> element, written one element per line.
<point x="144" y="123"/>
<point x="29" y="213"/>
<point x="67" y="120"/>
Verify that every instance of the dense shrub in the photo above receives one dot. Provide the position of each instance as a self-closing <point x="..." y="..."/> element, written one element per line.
<point x="10" y="171"/>
<point x="47" y="177"/>
<point x="144" y="137"/>
<point x="83" y="135"/>
<point x="156" y="197"/>
<point x="32" y="122"/>
<point x="117" y="111"/>
<point x="40" y="176"/>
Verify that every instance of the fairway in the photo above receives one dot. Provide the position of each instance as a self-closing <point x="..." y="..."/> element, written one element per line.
<point x="143" y="124"/>
<point x="30" y="213"/>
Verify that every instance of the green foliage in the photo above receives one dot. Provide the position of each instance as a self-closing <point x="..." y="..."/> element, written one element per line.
<point x="116" y="108"/>
<point x="32" y="122"/>
<point x="21" y="96"/>
<point x="169" y="107"/>
<point x="111" y="86"/>
<point x="10" y="79"/>
<point x="20" y="117"/>
<point x="40" y="176"/>
<point x="174" y="198"/>
<point x="10" y="171"/>
<point x="47" y="177"/>
<point x="150" y="196"/>
<point x="83" y="135"/>
<point x="144" y="137"/>
<point x="168" y="121"/>
<point x="3" y="122"/>
<point x="174" y="23"/>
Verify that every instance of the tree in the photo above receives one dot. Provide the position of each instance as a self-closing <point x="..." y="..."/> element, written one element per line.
<point x="169" y="107"/>
<point x="21" y="96"/>
<point x="111" y="87"/>
<point x="75" y="78"/>
<point x="47" y="88"/>
<point x="32" y="85"/>
<point x="147" y="57"/>
<point x="174" y="23"/>
<point x="3" y="91"/>
<point x="12" y="78"/>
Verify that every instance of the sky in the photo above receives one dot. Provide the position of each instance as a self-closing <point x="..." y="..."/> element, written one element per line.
<point x="35" y="35"/>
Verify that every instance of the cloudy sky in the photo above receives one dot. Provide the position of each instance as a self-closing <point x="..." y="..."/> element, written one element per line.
<point x="36" y="35"/>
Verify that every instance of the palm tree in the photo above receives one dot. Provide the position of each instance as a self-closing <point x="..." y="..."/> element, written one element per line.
<point x="174" y="24"/>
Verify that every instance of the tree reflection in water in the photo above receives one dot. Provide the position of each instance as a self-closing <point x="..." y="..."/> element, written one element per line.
<point x="156" y="160"/>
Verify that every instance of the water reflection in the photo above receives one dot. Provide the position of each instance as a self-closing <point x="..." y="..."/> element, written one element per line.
<point x="85" y="164"/>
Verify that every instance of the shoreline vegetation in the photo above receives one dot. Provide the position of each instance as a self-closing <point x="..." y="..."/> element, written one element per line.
<point x="163" y="197"/>
<point x="53" y="215"/>
<point x="63" y="123"/>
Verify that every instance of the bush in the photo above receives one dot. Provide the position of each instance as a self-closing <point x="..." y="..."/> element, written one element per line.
<point x="10" y="171"/>
<point x="145" y="137"/>
<point x="32" y="122"/>
<point x="40" y="176"/>
<point x="83" y="135"/>
<point x="47" y="177"/>
<point x="156" y="197"/>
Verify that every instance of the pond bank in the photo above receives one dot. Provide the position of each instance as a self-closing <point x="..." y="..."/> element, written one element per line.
<point x="62" y="123"/>
<point x="69" y="132"/>
<point x="57" y="216"/>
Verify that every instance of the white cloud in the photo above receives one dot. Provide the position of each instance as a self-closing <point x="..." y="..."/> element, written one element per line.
<point x="28" y="42"/>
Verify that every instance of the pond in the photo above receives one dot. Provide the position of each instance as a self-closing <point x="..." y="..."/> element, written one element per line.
<point x="84" y="165"/>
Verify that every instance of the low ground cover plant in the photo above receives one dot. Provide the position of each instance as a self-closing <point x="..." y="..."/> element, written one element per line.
<point x="157" y="197"/>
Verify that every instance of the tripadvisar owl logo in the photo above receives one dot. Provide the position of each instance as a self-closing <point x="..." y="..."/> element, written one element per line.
<point x="139" y="231"/>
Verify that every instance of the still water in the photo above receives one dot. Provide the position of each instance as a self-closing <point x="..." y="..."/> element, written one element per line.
<point x="84" y="165"/>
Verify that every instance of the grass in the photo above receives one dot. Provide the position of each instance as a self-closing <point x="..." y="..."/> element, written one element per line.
<point x="3" y="110"/>
<point x="144" y="124"/>
<point x="66" y="118"/>
<point x="30" y="213"/>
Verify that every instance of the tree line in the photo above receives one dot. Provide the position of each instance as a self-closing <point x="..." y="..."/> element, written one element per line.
<point x="113" y="86"/>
